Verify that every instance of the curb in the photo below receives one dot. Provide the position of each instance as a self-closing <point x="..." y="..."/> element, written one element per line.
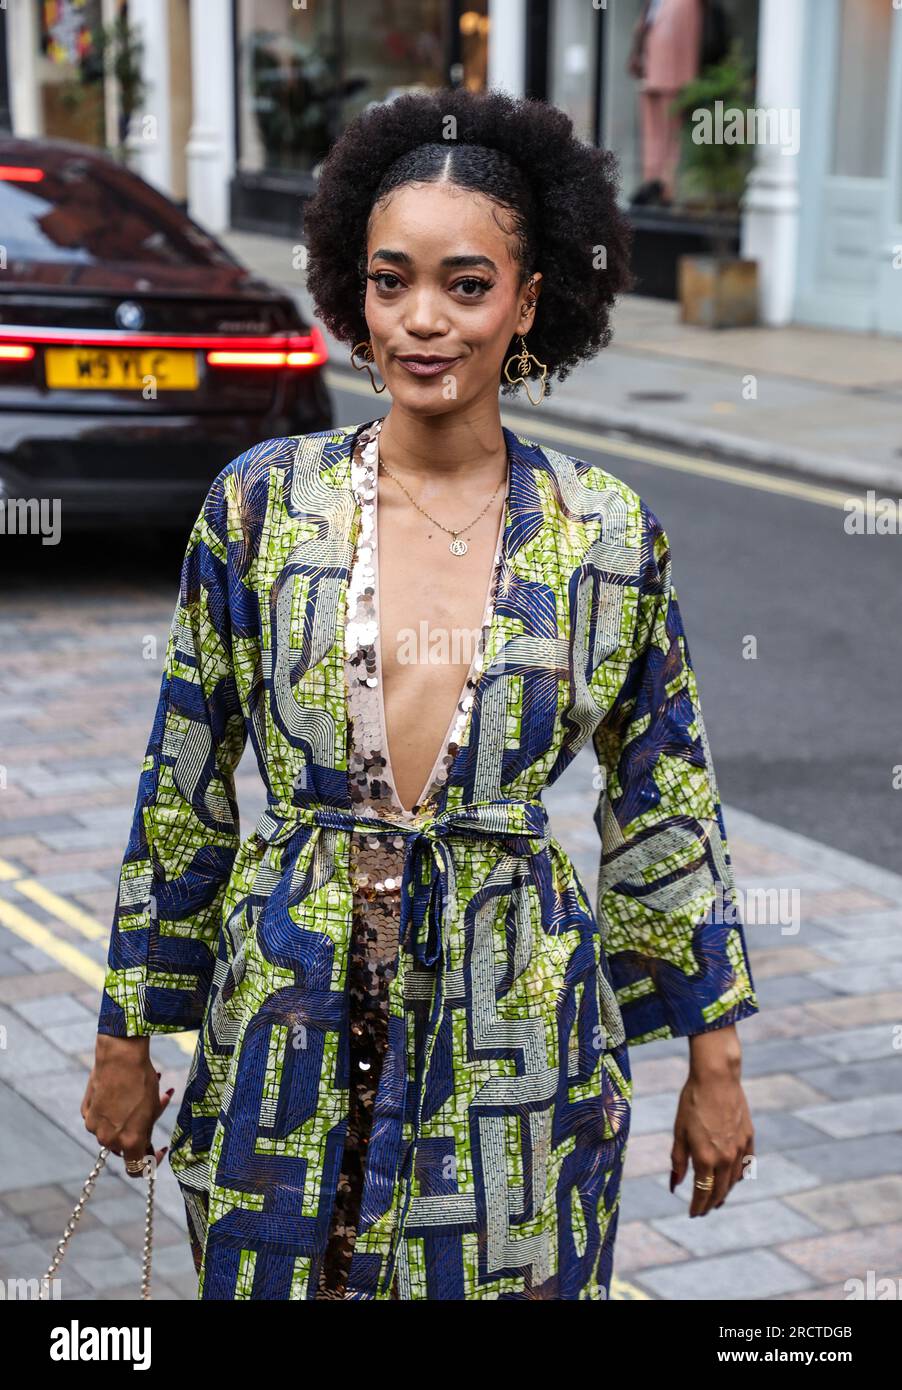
<point x="728" y="448"/>
<point x="836" y="862"/>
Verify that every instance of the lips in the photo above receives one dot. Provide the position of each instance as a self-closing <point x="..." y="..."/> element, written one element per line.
<point x="421" y="365"/>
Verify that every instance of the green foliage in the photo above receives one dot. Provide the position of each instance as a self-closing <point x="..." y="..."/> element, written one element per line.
<point x="713" y="174"/>
<point x="121" y="51"/>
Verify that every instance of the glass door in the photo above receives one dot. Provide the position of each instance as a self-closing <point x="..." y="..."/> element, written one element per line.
<point x="889" y="295"/>
<point x="851" y="186"/>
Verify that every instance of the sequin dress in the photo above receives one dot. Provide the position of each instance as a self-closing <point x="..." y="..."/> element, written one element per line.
<point x="376" y="861"/>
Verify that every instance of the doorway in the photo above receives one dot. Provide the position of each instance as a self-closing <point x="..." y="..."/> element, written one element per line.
<point x="850" y="262"/>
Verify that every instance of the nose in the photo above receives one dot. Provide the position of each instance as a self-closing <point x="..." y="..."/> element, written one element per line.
<point x="424" y="313"/>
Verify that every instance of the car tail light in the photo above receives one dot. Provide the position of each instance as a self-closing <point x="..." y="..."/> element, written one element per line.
<point x="20" y="173"/>
<point x="274" y="351"/>
<point x="299" y="351"/>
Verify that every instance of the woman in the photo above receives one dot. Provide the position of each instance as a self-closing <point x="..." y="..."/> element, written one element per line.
<point x="412" y="1079"/>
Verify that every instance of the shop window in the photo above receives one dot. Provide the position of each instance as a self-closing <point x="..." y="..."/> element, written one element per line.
<point x="305" y="72"/>
<point x="636" y="126"/>
<point x="859" y="131"/>
<point x="69" y="71"/>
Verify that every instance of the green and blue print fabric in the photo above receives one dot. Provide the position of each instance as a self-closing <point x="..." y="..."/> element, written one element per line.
<point x="502" y="1112"/>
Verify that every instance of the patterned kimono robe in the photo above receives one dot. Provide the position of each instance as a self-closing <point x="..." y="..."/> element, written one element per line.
<point x="502" y="1112"/>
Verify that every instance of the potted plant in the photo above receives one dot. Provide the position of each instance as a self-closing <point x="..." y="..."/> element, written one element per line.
<point x="717" y="290"/>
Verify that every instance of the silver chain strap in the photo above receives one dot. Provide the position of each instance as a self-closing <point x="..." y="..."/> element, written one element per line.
<point x="151" y="1176"/>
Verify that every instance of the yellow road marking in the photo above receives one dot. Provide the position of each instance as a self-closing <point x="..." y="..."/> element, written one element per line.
<point x="622" y="1288"/>
<point x="740" y="476"/>
<point x="58" y="907"/>
<point x="63" y="952"/>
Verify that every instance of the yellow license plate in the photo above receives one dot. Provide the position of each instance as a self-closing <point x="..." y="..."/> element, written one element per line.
<point x="120" y="369"/>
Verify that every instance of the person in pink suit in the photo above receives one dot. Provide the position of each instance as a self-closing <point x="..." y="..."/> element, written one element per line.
<point x="665" y="55"/>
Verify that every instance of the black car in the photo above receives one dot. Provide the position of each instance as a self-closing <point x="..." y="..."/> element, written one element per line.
<point x="137" y="354"/>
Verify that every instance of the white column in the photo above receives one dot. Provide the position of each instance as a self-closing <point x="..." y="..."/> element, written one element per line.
<point x="507" y="46"/>
<point x="770" y="224"/>
<point x="111" y="103"/>
<point x="148" y="139"/>
<point x="22" y="65"/>
<point x="210" y="149"/>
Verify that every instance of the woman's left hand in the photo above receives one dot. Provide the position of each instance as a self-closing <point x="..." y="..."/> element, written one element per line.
<point x="713" y="1125"/>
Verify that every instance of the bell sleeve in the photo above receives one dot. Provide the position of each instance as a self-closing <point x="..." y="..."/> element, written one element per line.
<point x="667" y="911"/>
<point x="185" y="824"/>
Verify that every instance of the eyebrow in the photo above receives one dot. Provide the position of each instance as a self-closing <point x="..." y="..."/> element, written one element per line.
<point x="402" y="258"/>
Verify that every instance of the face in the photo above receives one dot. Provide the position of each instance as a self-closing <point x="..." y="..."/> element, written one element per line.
<point x="444" y="296"/>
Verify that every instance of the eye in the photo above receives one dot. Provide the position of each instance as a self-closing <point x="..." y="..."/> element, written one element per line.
<point x="380" y="277"/>
<point x="472" y="286"/>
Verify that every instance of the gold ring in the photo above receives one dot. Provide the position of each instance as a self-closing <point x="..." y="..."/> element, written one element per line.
<point x="704" y="1183"/>
<point x="135" y="1165"/>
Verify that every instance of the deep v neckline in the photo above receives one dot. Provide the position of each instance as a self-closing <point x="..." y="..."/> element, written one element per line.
<point x="365" y="648"/>
<point x="456" y="724"/>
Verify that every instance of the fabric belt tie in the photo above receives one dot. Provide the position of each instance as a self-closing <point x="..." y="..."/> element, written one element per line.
<point x="428" y="900"/>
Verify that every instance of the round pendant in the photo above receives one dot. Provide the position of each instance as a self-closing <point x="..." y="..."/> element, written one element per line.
<point x="458" y="547"/>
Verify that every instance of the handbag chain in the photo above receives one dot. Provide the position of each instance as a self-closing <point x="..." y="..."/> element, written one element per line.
<point x="71" y="1224"/>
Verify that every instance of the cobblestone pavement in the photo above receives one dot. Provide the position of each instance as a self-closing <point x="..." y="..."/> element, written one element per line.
<point x="821" y="1061"/>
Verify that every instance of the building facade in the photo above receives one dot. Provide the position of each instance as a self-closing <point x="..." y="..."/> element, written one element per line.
<point x="243" y="99"/>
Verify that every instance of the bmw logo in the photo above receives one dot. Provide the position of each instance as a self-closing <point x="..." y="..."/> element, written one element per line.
<point x="129" y="314"/>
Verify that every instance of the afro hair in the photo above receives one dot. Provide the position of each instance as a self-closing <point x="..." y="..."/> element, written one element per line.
<point x="562" y="193"/>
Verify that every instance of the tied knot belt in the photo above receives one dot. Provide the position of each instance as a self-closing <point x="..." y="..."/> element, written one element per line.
<point x="428" y="901"/>
<point x="519" y="827"/>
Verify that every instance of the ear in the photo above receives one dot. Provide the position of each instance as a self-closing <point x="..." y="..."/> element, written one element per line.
<point x="529" y="294"/>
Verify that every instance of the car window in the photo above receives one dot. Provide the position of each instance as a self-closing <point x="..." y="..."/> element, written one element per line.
<point x="81" y="211"/>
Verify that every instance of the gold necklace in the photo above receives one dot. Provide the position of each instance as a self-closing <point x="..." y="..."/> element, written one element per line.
<point x="457" y="546"/>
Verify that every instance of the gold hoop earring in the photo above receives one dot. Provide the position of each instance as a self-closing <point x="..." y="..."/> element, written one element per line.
<point x="523" y="358"/>
<point x="368" y="357"/>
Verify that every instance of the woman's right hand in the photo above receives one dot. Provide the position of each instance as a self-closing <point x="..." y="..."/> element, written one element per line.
<point x="122" y="1101"/>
